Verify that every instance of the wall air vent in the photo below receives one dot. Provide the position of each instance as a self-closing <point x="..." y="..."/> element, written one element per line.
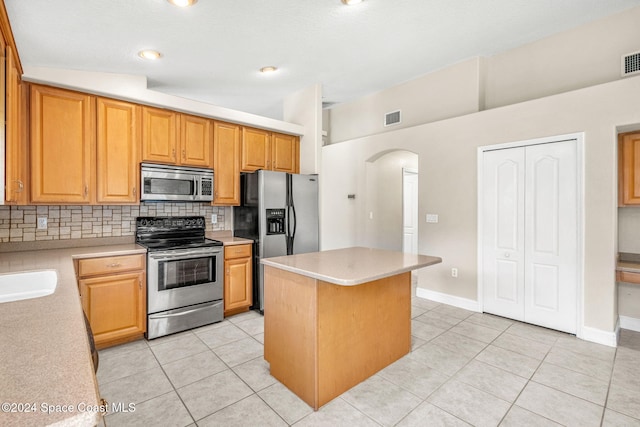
<point x="392" y="118"/>
<point x="631" y="64"/>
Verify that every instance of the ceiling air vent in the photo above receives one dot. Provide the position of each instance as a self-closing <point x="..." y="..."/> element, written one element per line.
<point x="392" y="118"/>
<point x="631" y="64"/>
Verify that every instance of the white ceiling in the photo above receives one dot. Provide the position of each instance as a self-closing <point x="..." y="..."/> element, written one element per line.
<point x="213" y="50"/>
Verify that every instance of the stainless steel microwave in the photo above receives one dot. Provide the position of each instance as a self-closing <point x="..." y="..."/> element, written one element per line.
<point x="175" y="183"/>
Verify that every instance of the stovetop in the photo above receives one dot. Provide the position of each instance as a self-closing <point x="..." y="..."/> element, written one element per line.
<point x="162" y="233"/>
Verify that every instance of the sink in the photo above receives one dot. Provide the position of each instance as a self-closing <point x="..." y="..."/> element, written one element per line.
<point x="27" y="285"/>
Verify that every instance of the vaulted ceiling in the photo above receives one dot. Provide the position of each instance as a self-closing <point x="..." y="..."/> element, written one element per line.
<point x="213" y="50"/>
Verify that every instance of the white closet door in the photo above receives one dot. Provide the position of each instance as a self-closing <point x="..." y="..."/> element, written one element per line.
<point x="551" y="236"/>
<point x="503" y="232"/>
<point x="530" y="234"/>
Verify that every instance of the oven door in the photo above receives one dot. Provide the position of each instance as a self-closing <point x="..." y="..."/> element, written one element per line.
<point x="182" y="277"/>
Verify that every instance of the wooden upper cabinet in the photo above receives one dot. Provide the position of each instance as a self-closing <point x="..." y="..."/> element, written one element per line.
<point x="629" y="168"/>
<point x="256" y="149"/>
<point x="62" y="144"/>
<point x="226" y="164"/>
<point x="195" y="141"/>
<point x="16" y="142"/>
<point x="173" y="138"/>
<point x="118" y="142"/>
<point x="159" y="135"/>
<point x="285" y="153"/>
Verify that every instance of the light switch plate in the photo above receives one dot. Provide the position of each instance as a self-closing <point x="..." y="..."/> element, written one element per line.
<point x="433" y="218"/>
<point x="214" y="218"/>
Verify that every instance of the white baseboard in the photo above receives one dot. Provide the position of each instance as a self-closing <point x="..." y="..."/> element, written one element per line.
<point x="459" y="302"/>
<point x="630" y="323"/>
<point x="599" y="336"/>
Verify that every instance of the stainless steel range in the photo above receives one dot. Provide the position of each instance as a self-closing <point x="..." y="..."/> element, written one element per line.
<point x="184" y="274"/>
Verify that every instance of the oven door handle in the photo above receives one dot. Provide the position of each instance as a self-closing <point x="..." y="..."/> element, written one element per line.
<point x="182" y="313"/>
<point x="185" y="255"/>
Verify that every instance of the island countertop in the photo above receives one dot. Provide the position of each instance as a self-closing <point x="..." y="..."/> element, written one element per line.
<point x="351" y="266"/>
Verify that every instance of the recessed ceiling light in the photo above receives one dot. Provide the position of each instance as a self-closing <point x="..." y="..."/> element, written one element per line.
<point x="149" y="54"/>
<point x="269" y="69"/>
<point x="183" y="3"/>
<point x="351" y="2"/>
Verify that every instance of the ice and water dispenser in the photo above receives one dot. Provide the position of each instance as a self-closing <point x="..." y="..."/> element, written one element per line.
<point x="275" y="221"/>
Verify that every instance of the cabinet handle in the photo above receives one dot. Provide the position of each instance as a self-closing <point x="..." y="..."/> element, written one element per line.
<point x="114" y="264"/>
<point x="184" y="154"/>
<point x="134" y="191"/>
<point x="173" y="153"/>
<point x="86" y="190"/>
<point x="139" y="284"/>
<point x="20" y="185"/>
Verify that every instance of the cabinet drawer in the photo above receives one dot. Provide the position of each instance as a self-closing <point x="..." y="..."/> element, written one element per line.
<point x="109" y="265"/>
<point x="237" y="251"/>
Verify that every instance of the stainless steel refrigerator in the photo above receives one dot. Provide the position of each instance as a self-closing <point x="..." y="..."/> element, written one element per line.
<point x="279" y="211"/>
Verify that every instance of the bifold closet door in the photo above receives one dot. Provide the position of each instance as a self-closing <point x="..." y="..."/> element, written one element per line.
<point x="530" y="234"/>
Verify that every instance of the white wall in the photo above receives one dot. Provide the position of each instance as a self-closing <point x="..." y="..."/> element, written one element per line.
<point x="579" y="58"/>
<point x="304" y="108"/>
<point x="447" y="184"/>
<point x="582" y="57"/>
<point x="451" y="92"/>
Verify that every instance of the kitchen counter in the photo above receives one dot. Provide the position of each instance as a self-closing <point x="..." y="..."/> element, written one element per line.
<point x="351" y="266"/>
<point x="46" y="369"/>
<point x="628" y="268"/>
<point x="227" y="238"/>
<point x="334" y="318"/>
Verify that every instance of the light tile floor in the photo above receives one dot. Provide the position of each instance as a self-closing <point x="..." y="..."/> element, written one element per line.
<point x="465" y="368"/>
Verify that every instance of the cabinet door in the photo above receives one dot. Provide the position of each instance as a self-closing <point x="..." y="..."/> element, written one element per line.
<point x="117" y="146"/>
<point x="226" y="164"/>
<point x="115" y="306"/>
<point x="256" y="152"/>
<point x="15" y="149"/>
<point x="629" y="168"/>
<point x="159" y="135"/>
<point x="195" y="141"/>
<point x="237" y="284"/>
<point x="62" y="144"/>
<point x="284" y="153"/>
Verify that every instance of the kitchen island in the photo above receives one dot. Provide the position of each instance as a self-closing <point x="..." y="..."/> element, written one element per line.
<point x="334" y="318"/>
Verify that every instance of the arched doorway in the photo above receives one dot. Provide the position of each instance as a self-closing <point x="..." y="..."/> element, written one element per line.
<point x="388" y="208"/>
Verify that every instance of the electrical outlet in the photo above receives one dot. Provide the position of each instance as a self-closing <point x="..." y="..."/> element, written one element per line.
<point x="42" y="223"/>
<point x="214" y="218"/>
<point x="370" y="215"/>
<point x="454" y="272"/>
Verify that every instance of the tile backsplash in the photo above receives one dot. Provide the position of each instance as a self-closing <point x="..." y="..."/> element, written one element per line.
<point x="19" y="223"/>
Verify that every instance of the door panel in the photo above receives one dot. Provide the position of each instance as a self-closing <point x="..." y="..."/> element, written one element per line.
<point x="551" y="236"/>
<point x="503" y="228"/>
<point x="410" y="212"/>
<point x="305" y="199"/>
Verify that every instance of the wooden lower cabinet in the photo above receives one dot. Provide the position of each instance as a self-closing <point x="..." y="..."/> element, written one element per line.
<point x="238" y="279"/>
<point x="113" y="295"/>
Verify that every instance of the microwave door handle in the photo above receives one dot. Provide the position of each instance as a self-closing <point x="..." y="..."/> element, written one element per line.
<point x="195" y="186"/>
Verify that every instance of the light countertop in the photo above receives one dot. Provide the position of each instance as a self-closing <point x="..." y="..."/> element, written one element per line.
<point x="351" y="266"/>
<point x="227" y="238"/>
<point x="45" y="355"/>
